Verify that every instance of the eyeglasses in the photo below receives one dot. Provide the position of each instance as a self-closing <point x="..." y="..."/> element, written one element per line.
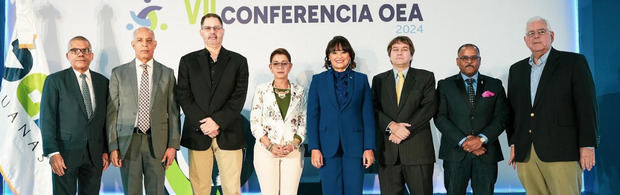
<point x="280" y="64"/>
<point x="540" y="32"/>
<point x="76" y="51"/>
<point x="209" y="28"/>
<point x="472" y="58"/>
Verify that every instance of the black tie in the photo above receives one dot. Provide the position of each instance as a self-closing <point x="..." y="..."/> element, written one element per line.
<point x="470" y="90"/>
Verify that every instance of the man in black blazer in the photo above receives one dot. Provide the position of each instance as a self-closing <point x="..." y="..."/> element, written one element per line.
<point x="405" y="102"/>
<point x="212" y="88"/>
<point x="553" y="124"/>
<point x="73" y="112"/>
<point x="472" y="114"/>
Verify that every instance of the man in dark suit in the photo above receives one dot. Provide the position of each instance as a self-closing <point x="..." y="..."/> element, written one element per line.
<point x="73" y="111"/>
<point x="472" y="114"/>
<point x="405" y="102"/>
<point x="143" y="118"/>
<point x="212" y="87"/>
<point x="553" y="126"/>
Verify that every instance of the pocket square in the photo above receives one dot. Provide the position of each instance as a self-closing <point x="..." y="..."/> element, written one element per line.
<point x="487" y="94"/>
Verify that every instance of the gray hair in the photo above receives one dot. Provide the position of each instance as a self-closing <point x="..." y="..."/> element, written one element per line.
<point x="143" y="28"/>
<point x="536" y="19"/>
<point x="81" y="38"/>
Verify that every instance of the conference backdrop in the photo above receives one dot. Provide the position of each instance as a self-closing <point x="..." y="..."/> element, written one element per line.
<point x="254" y="28"/>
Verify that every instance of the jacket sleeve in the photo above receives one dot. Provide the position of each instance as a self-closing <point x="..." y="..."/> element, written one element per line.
<point x="500" y="116"/>
<point x="368" y="114"/>
<point x="112" y="112"/>
<point x="313" y="113"/>
<point x="584" y="96"/>
<point x="184" y="95"/>
<point x="442" y="119"/>
<point x="49" y="116"/>
<point x="427" y="108"/>
<point x="174" y="128"/>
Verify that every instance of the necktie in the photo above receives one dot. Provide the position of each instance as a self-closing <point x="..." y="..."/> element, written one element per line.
<point x="144" y="98"/>
<point x="470" y="90"/>
<point x="86" y="96"/>
<point x="399" y="86"/>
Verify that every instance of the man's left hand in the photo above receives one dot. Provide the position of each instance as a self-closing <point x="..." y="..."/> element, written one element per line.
<point x="106" y="161"/>
<point x="168" y="157"/>
<point x="586" y="158"/>
<point x="368" y="158"/>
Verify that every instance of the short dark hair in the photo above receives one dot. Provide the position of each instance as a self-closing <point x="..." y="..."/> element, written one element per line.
<point x="210" y="15"/>
<point x="401" y="39"/>
<point x="343" y="43"/>
<point x="468" y="45"/>
<point x="81" y="38"/>
<point x="280" y="51"/>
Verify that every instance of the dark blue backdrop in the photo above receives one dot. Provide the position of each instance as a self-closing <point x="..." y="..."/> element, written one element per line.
<point x="599" y="42"/>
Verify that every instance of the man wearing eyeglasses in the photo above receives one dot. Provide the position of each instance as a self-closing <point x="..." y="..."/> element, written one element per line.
<point x="143" y="118"/>
<point x="212" y="88"/>
<point x="472" y="114"/>
<point x="73" y="111"/>
<point x="404" y="101"/>
<point x="552" y="131"/>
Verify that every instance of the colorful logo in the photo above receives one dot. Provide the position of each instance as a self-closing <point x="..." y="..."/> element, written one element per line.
<point x="147" y="17"/>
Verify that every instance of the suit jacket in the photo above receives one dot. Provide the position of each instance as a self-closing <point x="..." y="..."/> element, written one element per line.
<point x="418" y="104"/>
<point x="65" y="126"/>
<point x="220" y="97"/>
<point x="563" y="117"/>
<point x="351" y="126"/>
<point x="123" y="107"/>
<point x="457" y="118"/>
<point x="266" y="118"/>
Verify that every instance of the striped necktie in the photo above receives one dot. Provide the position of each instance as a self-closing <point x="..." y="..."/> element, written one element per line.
<point x="86" y="96"/>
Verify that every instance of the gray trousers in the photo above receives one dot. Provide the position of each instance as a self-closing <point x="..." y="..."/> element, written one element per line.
<point x="138" y="162"/>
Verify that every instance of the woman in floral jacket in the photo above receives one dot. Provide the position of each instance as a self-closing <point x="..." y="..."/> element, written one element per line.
<point x="278" y="121"/>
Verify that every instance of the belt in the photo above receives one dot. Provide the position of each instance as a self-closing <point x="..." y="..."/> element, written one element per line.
<point x="136" y="130"/>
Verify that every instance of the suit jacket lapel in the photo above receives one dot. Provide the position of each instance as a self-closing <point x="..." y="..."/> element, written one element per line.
<point x="294" y="101"/>
<point x="155" y="81"/>
<point x="204" y="68"/>
<point x="545" y="78"/>
<point x="390" y="89"/>
<point x="132" y="81"/>
<point x="479" y="89"/>
<point x="74" y="89"/>
<point x="410" y="80"/>
<point x="460" y="84"/>
<point x="98" y="92"/>
<point x="331" y="90"/>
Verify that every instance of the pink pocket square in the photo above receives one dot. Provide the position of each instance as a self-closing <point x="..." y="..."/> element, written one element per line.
<point x="487" y="94"/>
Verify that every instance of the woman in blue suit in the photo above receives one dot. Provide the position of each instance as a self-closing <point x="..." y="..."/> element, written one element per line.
<point x="340" y="121"/>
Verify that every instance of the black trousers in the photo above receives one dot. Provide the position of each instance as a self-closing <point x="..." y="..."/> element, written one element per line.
<point x="458" y="173"/>
<point x="418" y="178"/>
<point x="85" y="178"/>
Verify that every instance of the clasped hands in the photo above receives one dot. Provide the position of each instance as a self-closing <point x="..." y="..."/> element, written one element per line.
<point x="399" y="132"/>
<point x="473" y="145"/>
<point x="279" y="150"/>
<point x="209" y="127"/>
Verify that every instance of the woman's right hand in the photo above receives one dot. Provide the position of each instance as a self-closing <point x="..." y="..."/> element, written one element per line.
<point x="317" y="158"/>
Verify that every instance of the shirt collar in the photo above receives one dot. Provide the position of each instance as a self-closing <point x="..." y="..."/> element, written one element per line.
<point x="396" y="72"/>
<point x="542" y="60"/>
<point x="475" y="77"/>
<point x="139" y="63"/>
<point x="77" y="74"/>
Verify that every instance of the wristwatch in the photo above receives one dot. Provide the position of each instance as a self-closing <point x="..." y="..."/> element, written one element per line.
<point x="483" y="139"/>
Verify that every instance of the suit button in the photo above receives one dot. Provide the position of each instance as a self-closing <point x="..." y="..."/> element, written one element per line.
<point x="529" y="131"/>
<point x="532" y="114"/>
<point x="472" y="117"/>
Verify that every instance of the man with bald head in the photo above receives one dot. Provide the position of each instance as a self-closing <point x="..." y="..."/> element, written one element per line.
<point x="143" y="118"/>
<point x="553" y="126"/>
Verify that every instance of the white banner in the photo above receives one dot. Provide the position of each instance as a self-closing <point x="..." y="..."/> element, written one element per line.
<point x="254" y="28"/>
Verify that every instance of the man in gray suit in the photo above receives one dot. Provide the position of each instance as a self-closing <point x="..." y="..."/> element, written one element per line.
<point x="143" y="118"/>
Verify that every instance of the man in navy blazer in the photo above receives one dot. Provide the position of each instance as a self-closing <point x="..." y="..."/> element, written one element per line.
<point x="553" y="128"/>
<point x="73" y="112"/>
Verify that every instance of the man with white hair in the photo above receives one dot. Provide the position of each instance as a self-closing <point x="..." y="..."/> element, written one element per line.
<point x="143" y="118"/>
<point x="553" y="126"/>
